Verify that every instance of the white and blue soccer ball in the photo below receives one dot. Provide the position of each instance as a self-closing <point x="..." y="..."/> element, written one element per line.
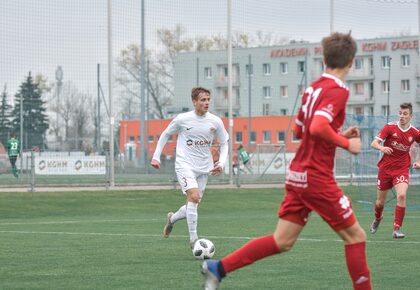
<point x="203" y="249"/>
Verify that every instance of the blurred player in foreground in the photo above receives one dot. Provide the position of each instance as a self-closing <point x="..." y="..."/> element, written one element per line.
<point x="310" y="183"/>
<point x="394" y="166"/>
<point x="196" y="131"/>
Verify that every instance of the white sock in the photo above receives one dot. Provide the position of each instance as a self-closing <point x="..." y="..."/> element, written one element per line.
<point x="192" y="218"/>
<point x="180" y="214"/>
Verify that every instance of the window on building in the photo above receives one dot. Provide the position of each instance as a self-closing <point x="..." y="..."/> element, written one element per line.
<point x="385" y="62"/>
<point x="371" y="112"/>
<point x="225" y="71"/>
<point x="267" y="92"/>
<point x="150" y="138"/>
<point x="266" y="136"/>
<point x="281" y="136"/>
<point x="405" y="86"/>
<point x="249" y="69"/>
<point x="238" y="137"/>
<point x="284" y="92"/>
<point x="284" y="68"/>
<point x="385" y="110"/>
<point x="253" y="137"/>
<point x="358" y="63"/>
<point x="371" y="90"/>
<point x="294" y="139"/>
<point x="283" y="112"/>
<point x="301" y="66"/>
<point x="266" y="69"/>
<point x="359" y="88"/>
<point x="358" y="110"/>
<point x="208" y="73"/>
<point x="405" y="60"/>
<point x="385" y="87"/>
<point x="266" y="109"/>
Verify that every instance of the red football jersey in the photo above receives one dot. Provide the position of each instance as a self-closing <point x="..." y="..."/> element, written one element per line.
<point x="400" y="141"/>
<point x="314" y="160"/>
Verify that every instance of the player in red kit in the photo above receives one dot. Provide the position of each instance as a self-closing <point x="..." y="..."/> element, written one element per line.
<point x="310" y="183"/>
<point x="394" y="166"/>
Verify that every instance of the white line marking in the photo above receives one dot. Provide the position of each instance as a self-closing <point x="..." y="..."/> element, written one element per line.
<point x="185" y="236"/>
<point x="77" y="222"/>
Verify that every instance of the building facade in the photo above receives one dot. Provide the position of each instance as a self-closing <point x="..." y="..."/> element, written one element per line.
<point x="269" y="81"/>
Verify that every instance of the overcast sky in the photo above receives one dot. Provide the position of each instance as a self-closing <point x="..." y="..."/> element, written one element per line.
<point x="38" y="35"/>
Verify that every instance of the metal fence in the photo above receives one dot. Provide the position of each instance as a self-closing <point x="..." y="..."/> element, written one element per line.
<point x="67" y="63"/>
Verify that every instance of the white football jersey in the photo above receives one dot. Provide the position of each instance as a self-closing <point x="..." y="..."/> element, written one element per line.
<point x="195" y="138"/>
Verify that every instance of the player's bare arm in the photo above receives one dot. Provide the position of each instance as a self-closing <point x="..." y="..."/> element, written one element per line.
<point x="376" y="144"/>
<point x="155" y="163"/>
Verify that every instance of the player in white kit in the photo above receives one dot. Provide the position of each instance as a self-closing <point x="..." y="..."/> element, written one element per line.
<point x="196" y="131"/>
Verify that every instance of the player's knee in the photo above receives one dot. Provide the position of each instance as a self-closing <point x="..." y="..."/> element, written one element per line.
<point x="284" y="244"/>
<point x="195" y="198"/>
<point x="401" y="197"/>
<point x="357" y="236"/>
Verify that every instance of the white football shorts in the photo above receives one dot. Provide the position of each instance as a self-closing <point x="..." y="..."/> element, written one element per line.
<point x="189" y="179"/>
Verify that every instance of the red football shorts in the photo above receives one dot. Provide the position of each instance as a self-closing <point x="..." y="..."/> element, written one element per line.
<point x="328" y="201"/>
<point x="387" y="180"/>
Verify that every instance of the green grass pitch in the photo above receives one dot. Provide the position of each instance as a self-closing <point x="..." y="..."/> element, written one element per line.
<point x="113" y="240"/>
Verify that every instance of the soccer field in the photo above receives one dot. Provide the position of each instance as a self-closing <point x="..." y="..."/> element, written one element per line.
<point x="113" y="240"/>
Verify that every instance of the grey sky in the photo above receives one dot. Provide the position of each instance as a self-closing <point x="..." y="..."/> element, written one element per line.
<point x="39" y="35"/>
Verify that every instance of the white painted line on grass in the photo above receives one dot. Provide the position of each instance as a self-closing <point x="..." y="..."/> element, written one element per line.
<point x="206" y="236"/>
<point x="77" y="222"/>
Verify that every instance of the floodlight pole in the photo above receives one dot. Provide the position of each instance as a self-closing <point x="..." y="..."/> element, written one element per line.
<point x="389" y="89"/>
<point x="111" y="113"/>
<point x="229" y="36"/>
<point x="331" y="16"/>
<point x="143" y="153"/>
<point x="250" y="71"/>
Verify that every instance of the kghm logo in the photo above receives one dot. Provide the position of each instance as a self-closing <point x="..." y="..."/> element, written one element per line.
<point x="198" y="142"/>
<point x="42" y="165"/>
<point x="78" y="165"/>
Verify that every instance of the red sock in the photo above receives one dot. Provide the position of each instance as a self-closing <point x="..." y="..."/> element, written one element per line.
<point x="399" y="217"/>
<point x="378" y="212"/>
<point x="252" y="251"/>
<point x="357" y="266"/>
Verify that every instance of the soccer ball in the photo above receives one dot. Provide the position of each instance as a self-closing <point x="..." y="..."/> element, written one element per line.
<point x="203" y="249"/>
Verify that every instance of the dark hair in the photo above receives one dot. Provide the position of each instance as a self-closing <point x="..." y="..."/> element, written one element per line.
<point x="408" y="106"/>
<point x="338" y="49"/>
<point x="13" y="135"/>
<point x="196" y="91"/>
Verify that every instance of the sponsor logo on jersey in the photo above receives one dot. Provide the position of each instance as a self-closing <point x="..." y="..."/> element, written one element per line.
<point x="198" y="142"/>
<point x="188" y="128"/>
<point x="395" y="135"/>
<point x="297" y="179"/>
<point x="399" y="146"/>
<point x="212" y="129"/>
